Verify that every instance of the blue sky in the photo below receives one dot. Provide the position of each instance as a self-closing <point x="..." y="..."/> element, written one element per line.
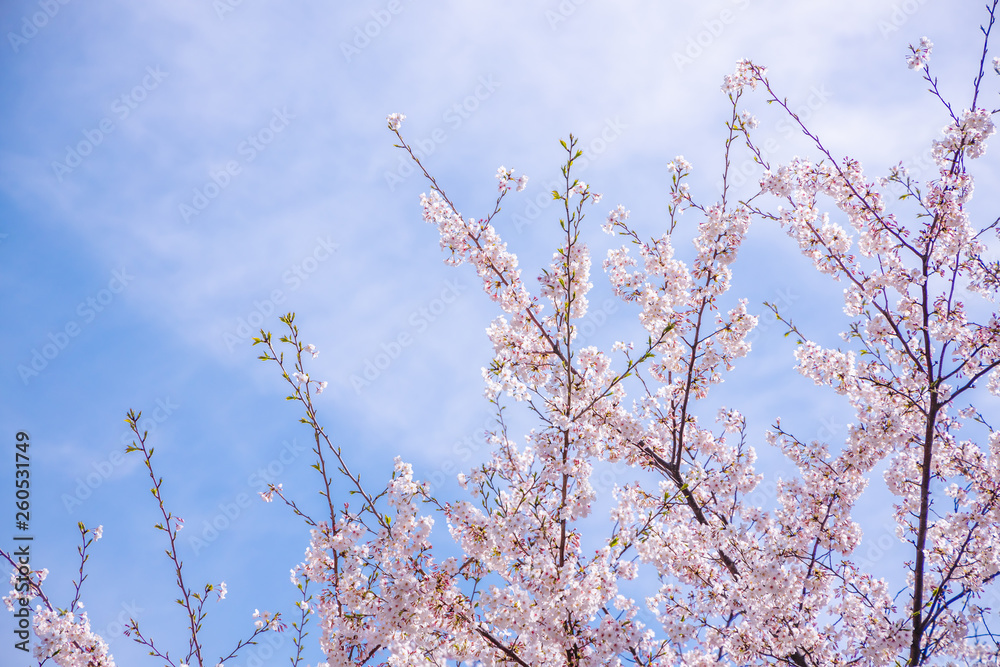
<point x="175" y="172"/>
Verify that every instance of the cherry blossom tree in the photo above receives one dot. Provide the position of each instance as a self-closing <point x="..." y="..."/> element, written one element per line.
<point x="722" y="577"/>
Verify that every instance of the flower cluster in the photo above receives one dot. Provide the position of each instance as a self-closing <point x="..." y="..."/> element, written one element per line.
<point x="267" y="621"/>
<point x="967" y="136"/>
<point x="738" y="582"/>
<point x="32" y="581"/>
<point x="506" y="178"/>
<point x="268" y="496"/>
<point x="67" y="639"/>
<point x="477" y="242"/>
<point x="395" y="120"/>
<point x="732" y="573"/>
<point x="919" y="55"/>
<point x="302" y="378"/>
<point x="747" y="75"/>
